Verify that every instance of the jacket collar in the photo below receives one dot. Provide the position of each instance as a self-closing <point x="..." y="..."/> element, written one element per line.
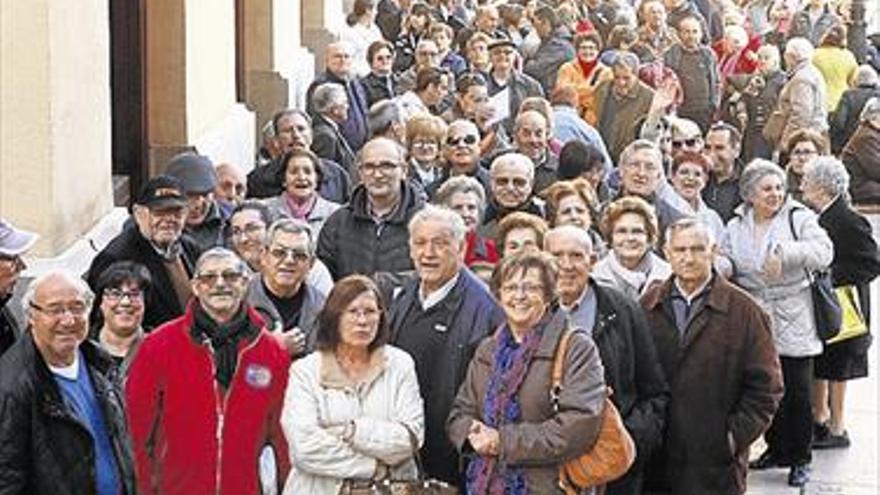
<point x="331" y="374"/>
<point x="409" y="202"/>
<point x="718" y="299"/>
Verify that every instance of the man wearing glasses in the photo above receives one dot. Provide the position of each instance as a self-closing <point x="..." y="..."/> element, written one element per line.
<point x="155" y="239"/>
<point x="63" y="426"/>
<point x="461" y="152"/>
<point x="282" y="293"/>
<point x="369" y="234"/>
<point x="204" y="393"/>
<point x="14" y="243"/>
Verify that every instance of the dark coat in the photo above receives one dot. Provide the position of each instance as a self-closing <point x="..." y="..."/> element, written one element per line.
<point x="45" y="449"/>
<point x="521" y="86"/>
<point x="550" y="55"/>
<point x="353" y="242"/>
<point x="378" y="88"/>
<point x="544" y="437"/>
<point x="470" y="314"/>
<point x="210" y="233"/>
<point x="267" y="181"/>
<point x="726" y="384"/>
<point x="161" y="303"/>
<point x="632" y="370"/>
<point x="845" y="119"/>
<point x="329" y="144"/>
<point x="355" y="127"/>
<point x="313" y="302"/>
<point x="9" y="330"/>
<point x="861" y="155"/>
<point x="389" y="17"/>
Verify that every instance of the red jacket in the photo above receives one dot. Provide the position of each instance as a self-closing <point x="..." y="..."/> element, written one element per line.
<point x="190" y="438"/>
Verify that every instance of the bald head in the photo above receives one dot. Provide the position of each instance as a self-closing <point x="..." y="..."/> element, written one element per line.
<point x="513" y="176"/>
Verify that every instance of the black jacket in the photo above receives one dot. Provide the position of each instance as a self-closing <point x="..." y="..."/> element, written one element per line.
<point x="161" y="302"/>
<point x="353" y="242"/>
<point x="44" y="448"/>
<point x="845" y="118"/>
<point x="378" y="88"/>
<point x="8" y="326"/>
<point x="521" y="87"/>
<point x="267" y="181"/>
<point x="329" y="144"/>
<point x="634" y="373"/>
<point x="210" y="233"/>
<point x="470" y="314"/>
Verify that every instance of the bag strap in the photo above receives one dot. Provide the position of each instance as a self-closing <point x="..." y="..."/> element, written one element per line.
<point x="558" y="365"/>
<point x="810" y="276"/>
<point x="417" y="456"/>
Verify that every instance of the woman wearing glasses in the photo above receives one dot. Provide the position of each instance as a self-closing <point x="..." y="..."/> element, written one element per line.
<point x="504" y="420"/>
<point x="120" y="302"/>
<point x="352" y="412"/>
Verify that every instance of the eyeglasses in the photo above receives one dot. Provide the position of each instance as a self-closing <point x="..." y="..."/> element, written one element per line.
<point x="517" y="182"/>
<point x="386" y="167"/>
<point x="689" y="142"/>
<point x="424" y="144"/>
<point x="525" y="288"/>
<point x="116" y="295"/>
<point x="803" y="152"/>
<point x="249" y="229"/>
<point x="229" y="277"/>
<point x="468" y="139"/>
<point x="77" y="309"/>
<point x="362" y="313"/>
<point x="280" y="254"/>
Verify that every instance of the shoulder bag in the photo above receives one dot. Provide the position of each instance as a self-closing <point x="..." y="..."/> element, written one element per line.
<point x="613" y="453"/>
<point x="853" y="324"/>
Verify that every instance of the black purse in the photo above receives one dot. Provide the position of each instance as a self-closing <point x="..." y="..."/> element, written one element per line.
<point x="387" y="486"/>
<point x="826" y="308"/>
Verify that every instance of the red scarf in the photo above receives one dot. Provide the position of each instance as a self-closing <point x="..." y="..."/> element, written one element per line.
<point x="587" y="67"/>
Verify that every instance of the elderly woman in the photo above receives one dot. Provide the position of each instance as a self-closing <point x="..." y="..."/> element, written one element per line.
<point x="584" y="73"/>
<point x="630" y="226"/>
<point x="300" y="199"/>
<point x="756" y="102"/>
<point x="520" y="231"/>
<point x="465" y="196"/>
<point x="424" y="137"/>
<point x="856" y="262"/>
<point x="690" y="171"/>
<point x="773" y="243"/>
<point x="845" y="117"/>
<point x="803" y="146"/>
<point x="861" y="155"/>
<point x="802" y="99"/>
<point x="503" y="418"/>
<point x="352" y="412"/>
<point x="573" y="202"/>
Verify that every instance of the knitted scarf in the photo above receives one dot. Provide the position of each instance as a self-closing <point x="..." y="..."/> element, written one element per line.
<point x="510" y="363"/>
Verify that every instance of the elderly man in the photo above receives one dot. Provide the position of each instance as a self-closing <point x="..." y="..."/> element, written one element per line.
<point x="697" y="69"/>
<point x="717" y="351"/>
<point x="512" y="178"/>
<point x="293" y="129"/>
<point x="156" y="240"/>
<point x="369" y="234"/>
<point x="427" y="56"/>
<point x="723" y="144"/>
<point x="331" y="111"/>
<point x="282" y="292"/>
<point x="622" y="103"/>
<point x="431" y="87"/>
<point x="504" y="77"/>
<point x="531" y="133"/>
<point x="439" y="318"/>
<point x="617" y="325"/>
<point x="555" y="48"/>
<point x="231" y="187"/>
<point x="205" y="390"/>
<point x="655" y="36"/>
<point x="641" y="174"/>
<point x="204" y="223"/>
<point x="14" y="243"/>
<point x="381" y="83"/>
<point x="337" y="60"/>
<point x="386" y="119"/>
<point x="461" y="150"/>
<point x="63" y="426"/>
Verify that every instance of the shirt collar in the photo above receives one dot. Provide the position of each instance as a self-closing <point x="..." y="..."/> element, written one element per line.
<point x="432" y="299"/>
<point x="701" y="291"/>
<point x="578" y="301"/>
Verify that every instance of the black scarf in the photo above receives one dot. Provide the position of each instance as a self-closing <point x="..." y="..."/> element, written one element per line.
<point x="224" y="340"/>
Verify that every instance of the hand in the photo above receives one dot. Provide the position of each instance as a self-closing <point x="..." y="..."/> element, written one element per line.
<point x="294" y="340"/>
<point x="484" y="440"/>
<point x="772" y="268"/>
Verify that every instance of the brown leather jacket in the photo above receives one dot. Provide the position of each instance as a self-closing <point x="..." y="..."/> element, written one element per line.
<point x="543" y="439"/>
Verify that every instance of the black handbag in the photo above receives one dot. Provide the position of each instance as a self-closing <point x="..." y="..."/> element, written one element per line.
<point x="387" y="486"/>
<point x="826" y="308"/>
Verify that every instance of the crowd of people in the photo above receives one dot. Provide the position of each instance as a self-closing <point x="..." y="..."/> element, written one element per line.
<point x="383" y="295"/>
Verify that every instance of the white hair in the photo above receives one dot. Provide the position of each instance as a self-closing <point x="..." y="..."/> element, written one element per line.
<point x="580" y="235"/>
<point x="443" y="216"/>
<point x="27" y="301"/>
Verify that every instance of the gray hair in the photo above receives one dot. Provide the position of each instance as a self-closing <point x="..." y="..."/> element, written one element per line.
<point x="756" y="170"/>
<point x="800" y="49"/>
<point x="27" y="301"/>
<point x="291" y="226"/>
<point x="626" y="59"/>
<point x="773" y="52"/>
<point x="383" y="114"/>
<point x="221" y="253"/>
<point x="866" y="76"/>
<point x="570" y="231"/>
<point x="688" y="223"/>
<point x="461" y="184"/>
<point x="442" y="215"/>
<point x="639" y="145"/>
<point x="517" y="158"/>
<point x="326" y="95"/>
<point x="829" y="174"/>
<point x="870" y="110"/>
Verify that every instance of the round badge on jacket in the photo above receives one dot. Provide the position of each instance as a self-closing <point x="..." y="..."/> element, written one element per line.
<point x="257" y="376"/>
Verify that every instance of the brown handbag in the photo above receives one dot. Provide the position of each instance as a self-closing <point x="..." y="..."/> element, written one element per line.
<point x="614" y="451"/>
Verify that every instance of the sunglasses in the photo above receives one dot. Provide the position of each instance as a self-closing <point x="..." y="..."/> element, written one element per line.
<point x="690" y="142"/>
<point x="469" y="140"/>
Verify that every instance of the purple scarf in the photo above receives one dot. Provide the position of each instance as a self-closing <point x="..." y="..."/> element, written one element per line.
<point x="510" y="363"/>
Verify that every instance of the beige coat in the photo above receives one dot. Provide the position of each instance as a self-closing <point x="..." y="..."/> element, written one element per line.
<point x="321" y="399"/>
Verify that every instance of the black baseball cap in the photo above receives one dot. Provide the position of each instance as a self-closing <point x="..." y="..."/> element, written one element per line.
<point x="162" y="190"/>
